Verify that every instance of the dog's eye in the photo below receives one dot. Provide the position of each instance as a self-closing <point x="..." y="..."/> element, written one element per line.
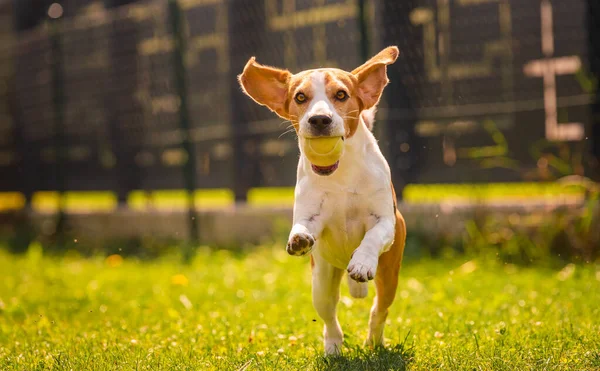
<point x="341" y="95"/>
<point x="300" y="98"/>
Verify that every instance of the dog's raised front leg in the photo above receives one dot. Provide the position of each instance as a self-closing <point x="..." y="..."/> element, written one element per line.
<point x="363" y="265"/>
<point x="326" y="293"/>
<point x="308" y="225"/>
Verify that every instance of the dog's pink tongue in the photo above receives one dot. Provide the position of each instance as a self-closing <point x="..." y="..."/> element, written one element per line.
<point x="325" y="170"/>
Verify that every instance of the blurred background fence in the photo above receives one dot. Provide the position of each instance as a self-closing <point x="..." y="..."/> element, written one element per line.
<point x="131" y="103"/>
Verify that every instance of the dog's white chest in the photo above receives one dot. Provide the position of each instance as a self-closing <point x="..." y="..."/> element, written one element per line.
<point x="344" y="229"/>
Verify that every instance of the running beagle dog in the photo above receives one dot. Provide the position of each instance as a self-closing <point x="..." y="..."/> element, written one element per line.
<point x="345" y="215"/>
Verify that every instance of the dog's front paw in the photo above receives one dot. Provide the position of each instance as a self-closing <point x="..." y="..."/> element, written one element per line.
<point x="362" y="267"/>
<point x="300" y="244"/>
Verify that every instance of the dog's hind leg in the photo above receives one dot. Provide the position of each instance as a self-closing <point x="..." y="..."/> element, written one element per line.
<point x="386" y="282"/>
<point x="326" y="293"/>
<point x="358" y="290"/>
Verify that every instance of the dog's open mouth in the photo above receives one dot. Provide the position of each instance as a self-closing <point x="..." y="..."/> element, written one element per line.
<point x="325" y="170"/>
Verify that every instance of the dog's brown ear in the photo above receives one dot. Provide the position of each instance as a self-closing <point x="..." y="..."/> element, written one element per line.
<point x="372" y="76"/>
<point x="267" y="86"/>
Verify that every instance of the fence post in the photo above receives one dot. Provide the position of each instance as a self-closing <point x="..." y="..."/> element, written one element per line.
<point x="593" y="16"/>
<point x="365" y="41"/>
<point x="124" y="111"/>
<point x="189" y="168"/>
<point x="58" y="105"/>
<point x="404" y="146"/>
<point x="248" y="36"/>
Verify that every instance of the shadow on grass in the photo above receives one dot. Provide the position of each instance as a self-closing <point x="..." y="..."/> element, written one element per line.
<point x="360" y="358"/>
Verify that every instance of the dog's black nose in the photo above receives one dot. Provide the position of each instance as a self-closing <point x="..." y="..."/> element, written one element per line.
<point x="320" y="121"/>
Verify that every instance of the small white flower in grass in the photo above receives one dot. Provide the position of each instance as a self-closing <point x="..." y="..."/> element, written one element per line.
<point x="260" y="353"/>
<point x="346" y="301"/>
<point x="534" y="310"/>
<point x="185" y="301"/>
<point x="280" y="351"/>
<point x="468" y="267"/>
<point x="269" y="278"/>
<point x="500" y="328"/>
<point x="438" y="334"/>
<point x="566" y="272"/>
<point x="133" y="341"/>
<point x="414" y="285"/>
<point x="460" y="300"/>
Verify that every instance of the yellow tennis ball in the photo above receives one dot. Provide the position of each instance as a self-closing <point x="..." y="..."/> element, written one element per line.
<point x="324" y="151"/>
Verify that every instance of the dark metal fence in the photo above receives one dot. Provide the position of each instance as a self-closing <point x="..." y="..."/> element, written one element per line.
<point x="145" y="97"/>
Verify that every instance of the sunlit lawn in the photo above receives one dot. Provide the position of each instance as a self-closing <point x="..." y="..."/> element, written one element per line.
<point x="253" y="311"/>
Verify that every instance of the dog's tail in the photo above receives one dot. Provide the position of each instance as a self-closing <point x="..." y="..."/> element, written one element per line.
<point x="368" y="117"/>
<point x="358" y="290"/>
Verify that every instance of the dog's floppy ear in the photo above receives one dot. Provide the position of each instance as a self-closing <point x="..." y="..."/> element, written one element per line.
<point x="267" y="86"/>
<point x="372" y="76"/>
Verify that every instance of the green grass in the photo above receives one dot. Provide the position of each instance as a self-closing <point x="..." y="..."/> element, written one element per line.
<point x="252" y="311"/>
